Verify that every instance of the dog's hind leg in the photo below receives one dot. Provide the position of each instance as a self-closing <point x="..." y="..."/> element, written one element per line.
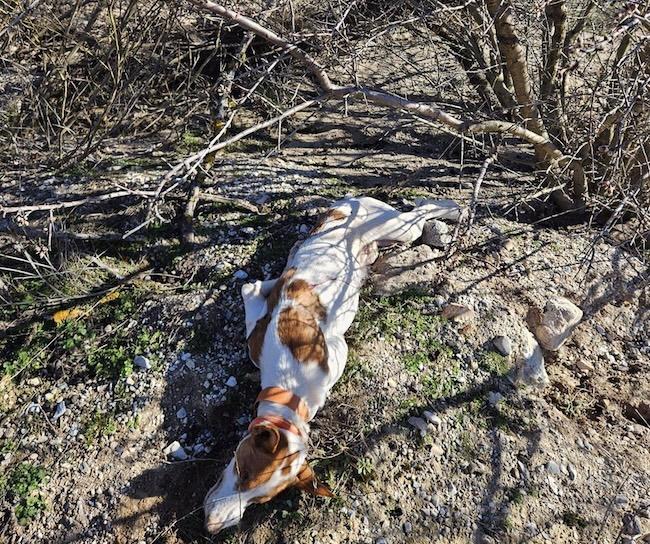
<point x="407" y="227"/>
<point x="254" y="296"/>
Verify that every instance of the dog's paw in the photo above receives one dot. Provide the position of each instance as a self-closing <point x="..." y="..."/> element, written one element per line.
<point x="443" y="209"/>
<point x="251" y="289"/>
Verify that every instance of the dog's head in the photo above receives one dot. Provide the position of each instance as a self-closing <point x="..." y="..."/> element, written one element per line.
<point x="267" y="461"/>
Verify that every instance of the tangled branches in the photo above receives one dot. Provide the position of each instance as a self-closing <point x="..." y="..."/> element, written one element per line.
<point x="572" y="82"/>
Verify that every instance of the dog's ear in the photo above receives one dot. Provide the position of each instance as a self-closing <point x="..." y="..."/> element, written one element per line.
<point x="266" y="437"/>
<point x="307" y="482"/>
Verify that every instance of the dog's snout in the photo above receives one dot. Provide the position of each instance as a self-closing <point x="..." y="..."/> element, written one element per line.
<point x="213" y="527"/>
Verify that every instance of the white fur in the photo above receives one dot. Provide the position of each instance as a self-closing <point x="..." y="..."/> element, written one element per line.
<point x="335" y="263"/>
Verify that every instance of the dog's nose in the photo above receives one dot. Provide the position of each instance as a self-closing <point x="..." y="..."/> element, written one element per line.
<point x="213" y="527"/>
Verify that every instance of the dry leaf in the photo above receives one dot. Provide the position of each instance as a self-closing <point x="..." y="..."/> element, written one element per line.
<point x="65" y="315"/>
<point x="113" y="295"/>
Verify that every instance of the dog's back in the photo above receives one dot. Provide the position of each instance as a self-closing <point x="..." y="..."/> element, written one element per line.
<point x="297" y="339"/>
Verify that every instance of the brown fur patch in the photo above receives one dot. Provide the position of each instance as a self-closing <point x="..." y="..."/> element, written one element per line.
<point x="256" y="338"/>
<point x="329" y="216"/>
<point x="300" y="332"/>
<point x="256" y="464"/>
<point x="301" y="292"/>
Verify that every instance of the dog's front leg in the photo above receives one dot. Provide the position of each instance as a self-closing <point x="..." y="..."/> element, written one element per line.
<point x="254" y="296"/>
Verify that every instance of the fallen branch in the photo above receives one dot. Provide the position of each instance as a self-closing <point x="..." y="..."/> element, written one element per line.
<point x="44" y="234"/>
<point x="193" y="161"/>
<point x="96" y="199"/>
<point x="244" y="22"/>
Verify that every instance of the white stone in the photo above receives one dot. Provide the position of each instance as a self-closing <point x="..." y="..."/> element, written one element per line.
<point x="232" y="382"/>
<point x="503" y="345"/>
<point x="531" y="370"/>
<point x="59" y="410"/>
<point x="584" y="365"/>
<point x="181" y="413"/>
<point x="558" y="321"/>
<point x="553" y="485"/>
<point x="553" y="467"/>
<point x="432" y="418"/>
<point x="240" y="275"/>
<point x="176" y="451"/>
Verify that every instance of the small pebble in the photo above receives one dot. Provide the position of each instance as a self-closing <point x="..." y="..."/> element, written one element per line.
<point x="494" y="397"/>
<point x="176" y="451"/>
<point x="631" y="524"/>
<point x="181" y="413"/>
<point x="553" y="467"/>
<point x="232" y="382"/>
<point x="142" y="362"/>
<point x="240" y="275"/>
<point x="59" y="410"/>
<point x="620" y="500"/>
<point x="419" y="424"/>
<point x="572" y="472"/>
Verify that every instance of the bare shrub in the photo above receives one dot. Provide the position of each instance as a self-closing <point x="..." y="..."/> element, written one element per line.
<point x="569" y="79"/>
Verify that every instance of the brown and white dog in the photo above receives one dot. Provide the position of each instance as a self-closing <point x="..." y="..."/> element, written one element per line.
<point x="295" y="327"/>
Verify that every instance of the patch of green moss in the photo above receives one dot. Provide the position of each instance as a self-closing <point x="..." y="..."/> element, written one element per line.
<point x="572" y="519"/>
<point x="495" y="363"/>
<point x="99" y="424"/>
<point x="22" y="486"/>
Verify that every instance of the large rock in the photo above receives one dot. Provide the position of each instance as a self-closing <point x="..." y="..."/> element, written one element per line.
<point x="405" y="270"/>
<point x="503" y="345"/>
<point x="532" y="371"/>
<point x="436" y="234"/>
<point x="556" y="323"/>
<point x="458" y="313"/>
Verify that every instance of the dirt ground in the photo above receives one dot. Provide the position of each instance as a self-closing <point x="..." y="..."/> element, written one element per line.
<point x="84" y="430"/>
